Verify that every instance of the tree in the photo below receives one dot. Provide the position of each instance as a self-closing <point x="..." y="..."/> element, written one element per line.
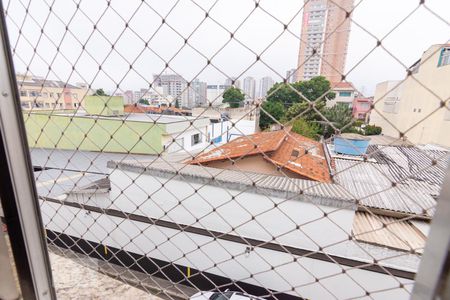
<point x="340" y="116"/>
<point x="274" y="109"/>
<point x="316" y="89"/>
<point x="100" y="92"/>
<point x="233" y="96"/>
<point x="177" y="103"/>
<point x="297" y="100"/>
<point x="305" y="128"/>
<point x="144" y="101"/>
<point x="304" y="111"/>
<point x="372" y="130"/>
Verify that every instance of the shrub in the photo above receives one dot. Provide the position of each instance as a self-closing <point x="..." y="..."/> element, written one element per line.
<point x="372" y="130"/>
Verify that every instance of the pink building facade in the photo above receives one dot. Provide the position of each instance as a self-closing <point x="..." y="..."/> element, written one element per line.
<point x="361" y="108"/>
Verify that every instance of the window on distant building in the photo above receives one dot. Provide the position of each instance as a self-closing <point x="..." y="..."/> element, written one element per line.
<point x="23" y="93"/>
<point x="345" y="94"/>
<point x="365" y="105"/>
<point x="444" y="58"/>
<point x="195" y="139"/>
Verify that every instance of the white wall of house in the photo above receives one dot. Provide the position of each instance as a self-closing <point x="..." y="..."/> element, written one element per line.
<point x="182" y="248"/>
<point x="233" y="213"/>
<point x="343" y="96"/>
<point x="186" y="140"/>
<point x="228" y="132"/>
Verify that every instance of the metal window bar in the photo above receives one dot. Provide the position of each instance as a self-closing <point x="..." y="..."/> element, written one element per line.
<point x="17" y="193"/>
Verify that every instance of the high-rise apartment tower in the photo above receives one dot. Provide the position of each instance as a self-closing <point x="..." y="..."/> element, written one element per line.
<point x="249" y="87"/>
<point x="324" y="39"/>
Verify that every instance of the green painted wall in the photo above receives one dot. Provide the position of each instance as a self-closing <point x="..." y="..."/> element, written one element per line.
<point x="93" y="134"/>
<point x="103" y="105"/>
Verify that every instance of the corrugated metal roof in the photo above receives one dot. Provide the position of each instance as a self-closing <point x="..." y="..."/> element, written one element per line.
<point x="276" y="186"/>
<point x="387" y="232"/>
<point x="411" y="162"/>
<point x="371" y="183"/>
<point x="73" y="160"/>
<point x="396" y="178"/>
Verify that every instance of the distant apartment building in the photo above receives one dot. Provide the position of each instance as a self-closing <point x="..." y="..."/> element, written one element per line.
<point x="264" y="86"/>
<point x="249" y="88"/>
<point x="214" y="93"/>
<point x="233" y="81"/>
<point x="154" y="96"/>
<point x="361" y="108"/>
<point x="410" y="107"/>
<point x="128" y="97"/>
<point x="345" y="93"/>
<point x="324" y="39"/>
<point x="290" y="75"/>
<point x="198" y="93"/>
<point x="38" y="93"/>
<point x="176" y="86"/>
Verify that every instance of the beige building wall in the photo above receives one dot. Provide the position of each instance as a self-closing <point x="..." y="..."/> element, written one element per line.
<point x="413" y="106"/>
<point x="254" y="163"/>
<point x="38" y="94"/>
<point x="342" y="96"/>
<point x="325" y="28"/>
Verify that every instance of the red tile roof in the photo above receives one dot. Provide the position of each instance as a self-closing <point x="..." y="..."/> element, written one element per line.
<point x="133" y="108"/>
<point x="303" y="156"/>
<point x="342" y="85"/>
<point x="257" y="143"/>
<point x="286" y="149"/>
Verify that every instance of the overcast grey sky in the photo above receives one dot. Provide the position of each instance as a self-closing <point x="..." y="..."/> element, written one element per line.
<point x="208" y="38"/>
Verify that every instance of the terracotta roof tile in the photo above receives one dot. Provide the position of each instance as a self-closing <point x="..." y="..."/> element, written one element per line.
<point x="303" y="156"/>
<point x="342" y="85"/>
<point x="292" y="151"/>
<point x="257" y="143"/>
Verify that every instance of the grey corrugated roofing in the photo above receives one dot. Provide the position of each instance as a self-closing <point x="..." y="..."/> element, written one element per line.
<point x="53" y="183"/>
<point x="86" y="161"/>
<point x="427" y="166"/>
<point x="395" y="178"/>
<point x="275" y="186"/>
<point x="399" y="235"/>
<point x="371" y="183"/>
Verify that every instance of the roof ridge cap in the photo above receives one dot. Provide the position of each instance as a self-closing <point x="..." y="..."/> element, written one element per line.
<point x="286" y="133"/>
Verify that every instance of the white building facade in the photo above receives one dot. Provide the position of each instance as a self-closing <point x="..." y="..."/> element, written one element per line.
<point x="264" y="86"/>
<point x="249" y="87"/>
